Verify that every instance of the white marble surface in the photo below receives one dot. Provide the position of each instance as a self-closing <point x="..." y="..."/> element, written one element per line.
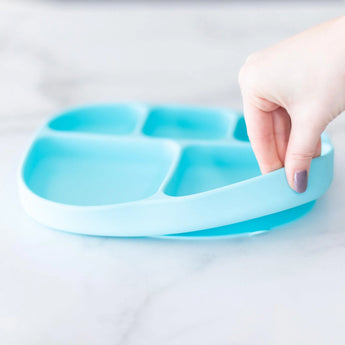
<point x="284" y="287"/>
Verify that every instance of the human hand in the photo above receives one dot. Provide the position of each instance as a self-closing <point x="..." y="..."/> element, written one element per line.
<point x="291" y="91"/>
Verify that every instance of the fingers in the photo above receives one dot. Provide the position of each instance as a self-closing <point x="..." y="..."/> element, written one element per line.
<point x="318" y="149"/>
<point x="277" y="142"/>
<point x="280" y="139"/>
<point x="261" y="133"/>
<point x="304" y="144"/>
<point x="282" y="128"/>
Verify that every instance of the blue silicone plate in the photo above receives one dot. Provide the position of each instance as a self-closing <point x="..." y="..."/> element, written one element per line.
<point x="140" y="170"/>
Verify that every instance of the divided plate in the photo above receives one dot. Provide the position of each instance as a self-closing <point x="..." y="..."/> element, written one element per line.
<point x="140" y="170"/>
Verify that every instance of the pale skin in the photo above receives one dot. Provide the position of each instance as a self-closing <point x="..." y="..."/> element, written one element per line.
<point x="291" y="91"/>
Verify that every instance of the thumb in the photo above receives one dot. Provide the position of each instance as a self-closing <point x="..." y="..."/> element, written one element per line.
<point x="304" y="144"/>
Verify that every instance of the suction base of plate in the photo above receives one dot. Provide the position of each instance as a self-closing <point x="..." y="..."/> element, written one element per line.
<point x="249" y="227"/>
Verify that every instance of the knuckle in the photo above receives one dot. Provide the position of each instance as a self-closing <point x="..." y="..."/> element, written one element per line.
<point x="249" y="72"/>
<point x="301" y="156"/>
<point x="253" y="57"/>
<point x="264" y="104"/>
<point x="242" y="76"/>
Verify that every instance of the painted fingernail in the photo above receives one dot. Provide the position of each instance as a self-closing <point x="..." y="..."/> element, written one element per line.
<point x="301" y="181"/>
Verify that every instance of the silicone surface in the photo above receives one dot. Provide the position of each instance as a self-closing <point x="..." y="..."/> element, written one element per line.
<point x="140" y="170"/>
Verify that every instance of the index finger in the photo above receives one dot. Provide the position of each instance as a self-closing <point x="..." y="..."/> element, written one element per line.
<point x="260" y="128"/>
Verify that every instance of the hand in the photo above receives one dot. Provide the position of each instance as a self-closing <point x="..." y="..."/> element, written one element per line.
<point x="291" y="91"/>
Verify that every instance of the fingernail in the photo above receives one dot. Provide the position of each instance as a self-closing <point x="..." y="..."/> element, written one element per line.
<point x="301" y="181"/>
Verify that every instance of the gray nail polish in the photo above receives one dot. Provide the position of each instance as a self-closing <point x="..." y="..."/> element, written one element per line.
<point x="301" y="181"/>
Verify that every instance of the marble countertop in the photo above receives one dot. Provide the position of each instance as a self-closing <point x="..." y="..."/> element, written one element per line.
<point x="282" y="287"/>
